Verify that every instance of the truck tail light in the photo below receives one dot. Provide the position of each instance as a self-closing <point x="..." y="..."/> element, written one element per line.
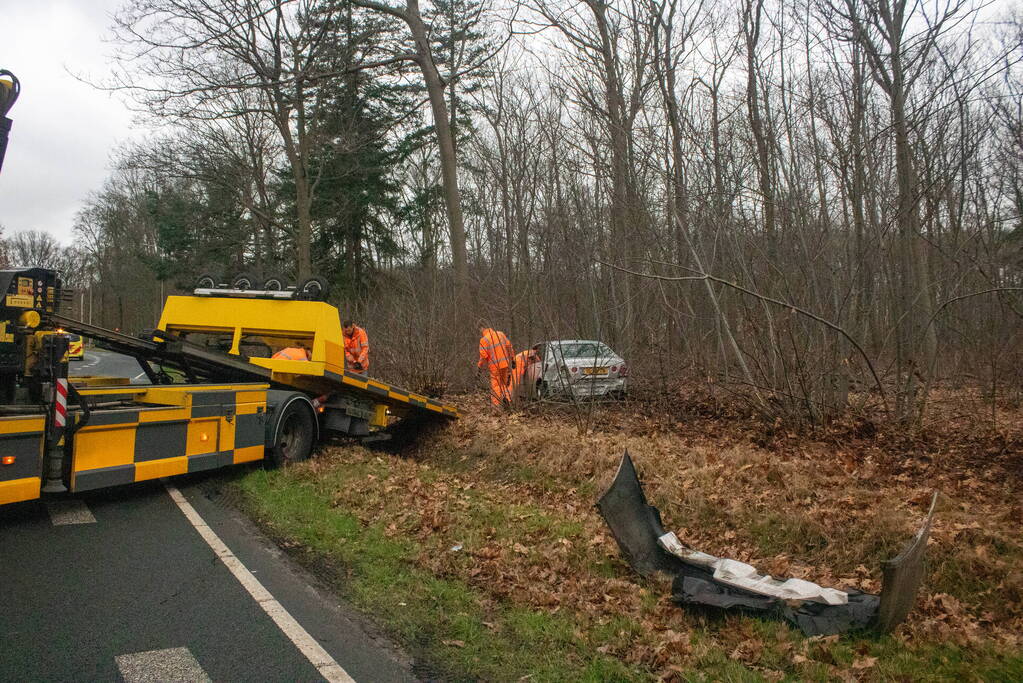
<point x="8" y="460"/>
<point x="623" y="371"/>
<point x="575" y="370"/>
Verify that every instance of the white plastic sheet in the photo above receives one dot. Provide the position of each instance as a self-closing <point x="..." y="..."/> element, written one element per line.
<point x="744" y="576"/>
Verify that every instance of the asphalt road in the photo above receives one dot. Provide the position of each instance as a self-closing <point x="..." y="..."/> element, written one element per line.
<point x="100" y="362"/>
<point x="126" y="584"/>
<point x="119" y="585"/>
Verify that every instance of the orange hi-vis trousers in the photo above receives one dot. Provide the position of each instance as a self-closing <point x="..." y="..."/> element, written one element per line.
<point x="499" y="378"/>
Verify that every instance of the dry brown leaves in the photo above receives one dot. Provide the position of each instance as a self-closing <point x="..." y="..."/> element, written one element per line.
<point x="714" y="486"/>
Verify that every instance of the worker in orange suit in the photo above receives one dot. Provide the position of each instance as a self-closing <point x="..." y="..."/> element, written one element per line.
<point x="498" y="357"/>
<point x="292" y="353"/>
<point x="523" y="361"/>
<point x="356" y="348"/>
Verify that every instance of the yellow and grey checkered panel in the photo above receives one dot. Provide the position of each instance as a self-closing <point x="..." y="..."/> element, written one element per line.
<point x="213" y="429"/>
<point x="387" y="393"/>
<point x="21" y="442"/>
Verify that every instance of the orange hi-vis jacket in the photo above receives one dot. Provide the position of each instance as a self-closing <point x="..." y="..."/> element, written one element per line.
<point x="357" y="350"/>
<point x="496" y="351"/>
<point x="523" y="359"/>
<point x="292" y="353"/>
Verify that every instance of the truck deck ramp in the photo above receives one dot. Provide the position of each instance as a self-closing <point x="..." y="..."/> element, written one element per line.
<point x="225" y="339"/>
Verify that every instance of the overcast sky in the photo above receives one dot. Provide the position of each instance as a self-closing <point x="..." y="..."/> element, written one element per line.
<point x="64" y="130"/>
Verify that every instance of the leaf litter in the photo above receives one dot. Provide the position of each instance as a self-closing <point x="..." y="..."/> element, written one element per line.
<point x="517" y="493"/>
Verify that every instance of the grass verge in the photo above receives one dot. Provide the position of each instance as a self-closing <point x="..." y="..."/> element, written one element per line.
<point x="455" y="630"/>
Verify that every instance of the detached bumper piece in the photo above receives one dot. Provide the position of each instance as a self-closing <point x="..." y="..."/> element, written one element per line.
<point x="705" y="581"/>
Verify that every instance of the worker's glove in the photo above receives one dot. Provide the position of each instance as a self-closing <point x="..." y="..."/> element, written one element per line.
<point x="357" y="365"/>
<point x="513" y="363"/>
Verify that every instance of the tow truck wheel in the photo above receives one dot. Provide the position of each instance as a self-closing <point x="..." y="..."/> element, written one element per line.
<point x="296" y="431"/>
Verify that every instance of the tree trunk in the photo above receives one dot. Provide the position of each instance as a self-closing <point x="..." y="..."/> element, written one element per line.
<point x="751" y="29"/>
<point x="445" y="140"/>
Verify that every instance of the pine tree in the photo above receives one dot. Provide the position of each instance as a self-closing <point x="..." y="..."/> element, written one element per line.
<point x="462" y="50"/>
<point x="356" y="114"/>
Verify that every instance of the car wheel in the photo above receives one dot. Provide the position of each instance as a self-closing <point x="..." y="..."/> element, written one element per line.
<point x="243" y="281"/>
<point x="275" y="283"/>
<point x="206" y="281"/>
<point x="314" y="288"/>
<point x="296" y="431"/>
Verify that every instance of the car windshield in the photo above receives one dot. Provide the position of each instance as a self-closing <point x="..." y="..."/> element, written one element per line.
<point x="584" y="350"/>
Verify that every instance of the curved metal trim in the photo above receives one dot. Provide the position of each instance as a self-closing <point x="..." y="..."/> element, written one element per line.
<point x="279" y="409"/>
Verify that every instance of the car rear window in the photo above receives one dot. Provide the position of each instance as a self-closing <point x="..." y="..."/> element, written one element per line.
<point x="585" y="350"/>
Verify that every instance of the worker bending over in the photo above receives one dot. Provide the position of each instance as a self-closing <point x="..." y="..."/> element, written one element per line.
<point x="520" y="372"/>
<point x="356" y="348"/>
<point x="298" y="352"/>
<point x="498" y="357"/>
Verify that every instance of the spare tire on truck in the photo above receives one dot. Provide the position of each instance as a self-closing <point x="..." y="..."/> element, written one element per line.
<point x="207" y="281"/>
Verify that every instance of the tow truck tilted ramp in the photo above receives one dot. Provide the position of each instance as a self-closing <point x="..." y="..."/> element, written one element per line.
<point x="216" y="396"/>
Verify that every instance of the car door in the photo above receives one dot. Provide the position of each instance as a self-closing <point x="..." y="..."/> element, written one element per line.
<point x="534" y="373"/>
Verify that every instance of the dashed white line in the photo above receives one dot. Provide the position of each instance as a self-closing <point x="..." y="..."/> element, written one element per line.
<point x="307" y="645"/>
<point x="69" y="512"/>
<point x="174" y="665"/>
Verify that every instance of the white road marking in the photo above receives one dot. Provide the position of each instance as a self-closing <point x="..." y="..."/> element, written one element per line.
<point x="69" y="512"/>
<point x="91" y="359"/>
<point x="174" y="665"/>
<point x="306" y="644"/>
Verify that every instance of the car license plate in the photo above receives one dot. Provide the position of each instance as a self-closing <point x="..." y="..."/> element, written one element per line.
<point x="594" y="371"/>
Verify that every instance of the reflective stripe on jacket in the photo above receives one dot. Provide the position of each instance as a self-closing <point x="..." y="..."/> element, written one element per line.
<point x="357" y="347"/>
<point x="496" y="351"/>
<point x="291" y="353"/>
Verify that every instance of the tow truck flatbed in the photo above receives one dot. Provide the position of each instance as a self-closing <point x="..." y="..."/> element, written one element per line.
<point x="202" y="364"/>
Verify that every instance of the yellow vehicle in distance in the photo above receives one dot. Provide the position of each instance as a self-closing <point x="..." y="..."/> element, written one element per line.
<point x="75" y="347"/>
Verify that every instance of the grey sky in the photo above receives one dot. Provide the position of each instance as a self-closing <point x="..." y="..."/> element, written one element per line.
<point x="63" y="130"/>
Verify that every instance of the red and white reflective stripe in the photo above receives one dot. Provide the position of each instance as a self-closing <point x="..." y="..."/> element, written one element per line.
<point x="60" y="405"/>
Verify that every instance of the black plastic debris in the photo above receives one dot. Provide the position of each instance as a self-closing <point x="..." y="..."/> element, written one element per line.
<point x="636" y="526"/>
<point x="901" y="577"/>
<point x="813" y="619"/>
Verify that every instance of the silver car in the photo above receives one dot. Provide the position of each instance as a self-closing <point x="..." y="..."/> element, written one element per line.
<point x="577" y="369"/>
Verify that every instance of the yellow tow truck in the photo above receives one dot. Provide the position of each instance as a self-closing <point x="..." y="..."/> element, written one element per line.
<point x="236" y="404"/>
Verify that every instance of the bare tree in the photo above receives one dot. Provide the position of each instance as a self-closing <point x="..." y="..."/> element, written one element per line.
<point x="4" y="258"/>
<point x="190" y="59"/>
<point x="422" y="56"/>
<point x="899" y="38"/>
